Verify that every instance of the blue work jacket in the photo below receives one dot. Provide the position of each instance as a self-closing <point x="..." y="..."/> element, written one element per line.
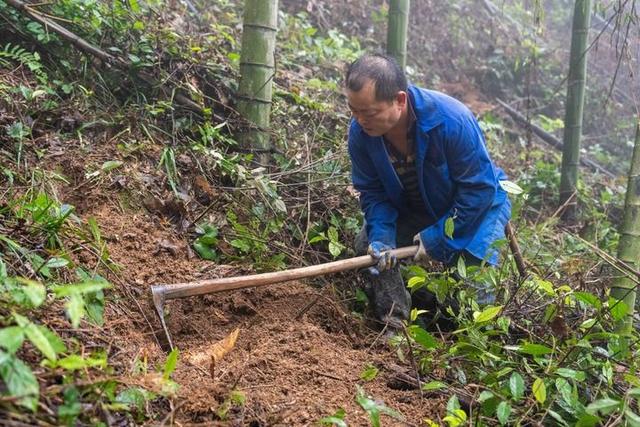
<point x="459" y="181"/>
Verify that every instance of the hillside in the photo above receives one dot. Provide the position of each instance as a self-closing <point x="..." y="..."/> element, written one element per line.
<point x="120" y="175"/>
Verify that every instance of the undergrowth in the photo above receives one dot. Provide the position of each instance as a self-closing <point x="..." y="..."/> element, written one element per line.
<point x="544" y="353"/>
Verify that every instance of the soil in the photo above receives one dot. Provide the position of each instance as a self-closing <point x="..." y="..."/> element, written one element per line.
<point x="292" y="372"/>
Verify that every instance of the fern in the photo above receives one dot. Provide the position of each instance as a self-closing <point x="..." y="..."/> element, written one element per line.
<point x="31" y="60"/>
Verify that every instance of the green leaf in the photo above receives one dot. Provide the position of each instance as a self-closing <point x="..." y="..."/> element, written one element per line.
<point x="588" y="420"/>
<point x="511" y="187"/>
<point x="30" y="294"/>
<point x="335" y="248"/>
<point x="94" y="305"/>
<point x="56" y="262"/>
<point x="71" y="408"/>
<point x="516" y="386"/>
<point x="535" y="349"/>
<point x="204" y="251"/>
<point x="422" y="337"/>
<point x="75" y="362"/>
<point x="11" y="338"/>
<point x="20" y="381"/>
<point x="75" y="309"/>
<point x="415" y="281"/>
<point x="136" y="397"/>
<point x="588" y="298"/>
<point x="317" y="238"/>
<point x="565" y="390"/>
<point x="40" y="340"/>
<point x="110" y="165"/>
<point x="618" y="309"/>
<point x="374" y="409"/>
<point x="632" y="418"/>
<point x="336" y="419"/>
<point x="503" y="412"/>
<point x="487" y="314"/>
<point x="449" y="227"/>
<point x="570" y="373"/>
<point x="604" y="406"/>
<point x="485" y="395"/>
<point x="461" y="268"/>
<point x="434" y="385"/>
<point x="369" y="373"/>
<point x="85" y="287"/>
<point x="241" y="244"/>
<point x="558" y="418"/>
<point x="545" y="285"/>
<point x="539" y="390"/>
<point x="170" y="364"/>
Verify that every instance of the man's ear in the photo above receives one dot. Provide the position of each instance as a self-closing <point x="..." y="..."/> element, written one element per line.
<point x="401" y="98"/>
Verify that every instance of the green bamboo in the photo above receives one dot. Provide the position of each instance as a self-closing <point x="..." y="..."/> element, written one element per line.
<point x="257" y="68"/>
<point x="398" y="25"/>
<point x="629" y="245"/>
<point x="574" y="104"/>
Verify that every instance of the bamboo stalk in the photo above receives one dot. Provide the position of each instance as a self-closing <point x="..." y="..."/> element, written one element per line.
<point x="574" y="104"/>
<point x="398" y="24"/>
<point x="257" y="69"/>
<point x="629" y="244"/>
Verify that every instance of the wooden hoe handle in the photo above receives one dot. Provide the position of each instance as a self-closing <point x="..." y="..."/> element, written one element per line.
<point x="199" y="287"/>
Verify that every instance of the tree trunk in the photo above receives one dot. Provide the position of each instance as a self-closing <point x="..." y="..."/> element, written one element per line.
<point x="629" y="246"/>
<point x="574" y="105"/>
<point x="397" y="30"/>
<point x="257" y="69"/>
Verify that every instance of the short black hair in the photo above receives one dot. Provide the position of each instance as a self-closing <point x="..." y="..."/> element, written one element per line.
<point x="387" y="76"/>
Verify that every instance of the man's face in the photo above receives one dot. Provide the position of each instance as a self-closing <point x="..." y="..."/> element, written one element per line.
<point x="375" y="117"/>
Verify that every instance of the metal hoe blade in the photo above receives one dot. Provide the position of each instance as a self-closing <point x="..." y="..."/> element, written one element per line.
<point x="158" y="295"/>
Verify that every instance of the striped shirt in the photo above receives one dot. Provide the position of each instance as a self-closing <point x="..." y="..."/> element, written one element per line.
<point x="405" y="167"/>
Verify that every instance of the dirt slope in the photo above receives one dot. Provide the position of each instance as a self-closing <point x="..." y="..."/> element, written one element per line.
<point x="292" y="372"/>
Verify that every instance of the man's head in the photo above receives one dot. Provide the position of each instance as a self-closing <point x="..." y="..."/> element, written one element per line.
<point x="376" y="90"/>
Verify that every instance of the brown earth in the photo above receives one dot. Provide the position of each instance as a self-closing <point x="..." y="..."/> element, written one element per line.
<point x="292" y="372"/>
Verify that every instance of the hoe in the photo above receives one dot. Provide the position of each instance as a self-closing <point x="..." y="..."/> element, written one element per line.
<point x="161" y="293"/>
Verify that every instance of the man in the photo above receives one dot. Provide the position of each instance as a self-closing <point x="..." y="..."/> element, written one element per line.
<point x="418" y="160"/>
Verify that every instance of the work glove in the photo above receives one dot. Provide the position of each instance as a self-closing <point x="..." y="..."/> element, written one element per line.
<point x="381" y="253"/>
<point x="422" y="255"/>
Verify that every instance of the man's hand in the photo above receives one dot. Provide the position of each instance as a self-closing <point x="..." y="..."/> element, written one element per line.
<point x="421" y="255"/>
<point x="381" y="252"/>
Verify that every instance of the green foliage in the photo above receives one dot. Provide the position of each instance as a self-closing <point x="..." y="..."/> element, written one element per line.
<point x="337" y="419"/>
<point x="374" y="408"/>
<point x="301" y="41"/>
<point x="206" y="243"/>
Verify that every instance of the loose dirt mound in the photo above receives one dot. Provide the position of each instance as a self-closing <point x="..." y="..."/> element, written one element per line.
<point x="292" y="372"/>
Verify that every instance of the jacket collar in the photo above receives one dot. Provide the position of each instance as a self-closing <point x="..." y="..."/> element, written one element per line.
<point x="425" y="108"/>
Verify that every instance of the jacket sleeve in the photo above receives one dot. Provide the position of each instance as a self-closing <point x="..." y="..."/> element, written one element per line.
<point x="379" y="213"/>
<point x="473" y="174"/>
